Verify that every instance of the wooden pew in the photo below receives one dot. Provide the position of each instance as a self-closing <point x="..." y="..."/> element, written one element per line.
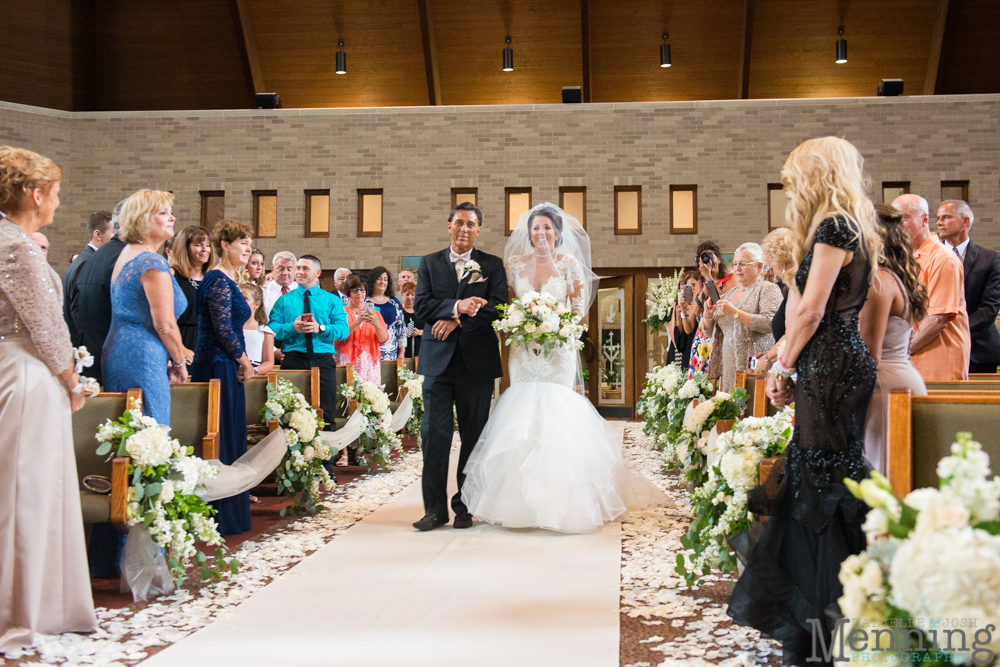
<point x="390" y="380"/>
<point x="922" y="429"/>
<point x="984" y="376"/>
<point x="306" y="382"/>
<point x="964" y="385"/>
<point x="255" y="390"/>
<point x="194" y="416"/>
<point x="97" y="507"/>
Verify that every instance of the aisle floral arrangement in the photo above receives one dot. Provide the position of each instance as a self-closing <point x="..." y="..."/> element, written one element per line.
<point x="164" y="479"/>
<point x="540" y="322"/>
<point x="932" y="566"/>
<point x="661" y="299"/>
<point x="377" y="438"/>
<point x="688" y="452"/>
<point x="719" y="506"/>
<point x="414" y="385"/>
<point x="301" y="472"/>
<point x="665" y="400"/>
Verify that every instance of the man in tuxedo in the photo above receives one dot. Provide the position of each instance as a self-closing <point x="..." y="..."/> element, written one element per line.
<point x="91" y="306"/>
<point x="100" y="229"/>
<point x="458" y="291"/>
<point x="982" y="283"/>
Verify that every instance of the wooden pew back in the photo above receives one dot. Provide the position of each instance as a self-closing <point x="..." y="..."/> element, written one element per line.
<point x="194" y="416"/>
<point x="964" y="385"/>
<point x="255" y="390"/>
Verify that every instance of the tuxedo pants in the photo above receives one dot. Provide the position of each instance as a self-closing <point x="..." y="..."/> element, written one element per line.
<point x="303" y="361"/>
<point x="471" y="398"/>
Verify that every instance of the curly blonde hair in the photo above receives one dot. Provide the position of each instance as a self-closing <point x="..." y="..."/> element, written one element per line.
<point x="779" y="245"/>
<point x="22" y="171"/>
<point x="136" y="218"/>
<point x="824" y="178"/>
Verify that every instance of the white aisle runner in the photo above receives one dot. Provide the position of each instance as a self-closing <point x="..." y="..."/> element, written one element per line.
<point x="383" y="594"/>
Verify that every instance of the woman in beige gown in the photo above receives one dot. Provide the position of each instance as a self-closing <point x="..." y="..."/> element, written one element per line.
<point x="895" y="301"/>
<point x="44" y="583"/>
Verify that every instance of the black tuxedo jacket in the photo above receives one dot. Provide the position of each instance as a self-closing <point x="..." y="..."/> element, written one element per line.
<point x="70" y="292"/>
<point x="91" y="308"/>
<point x="438" y="288"/>
<point x="982" y="300"/>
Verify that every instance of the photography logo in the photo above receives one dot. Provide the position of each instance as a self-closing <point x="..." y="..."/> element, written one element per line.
<point x="916" y="640"/>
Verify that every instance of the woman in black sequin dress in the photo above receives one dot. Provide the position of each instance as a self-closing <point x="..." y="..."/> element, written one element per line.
<point x="814" y="523"/>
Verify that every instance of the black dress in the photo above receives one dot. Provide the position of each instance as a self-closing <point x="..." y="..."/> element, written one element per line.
<point x="814" y="522"/>
<point x="412" y="342"/>
<point x="187" y="322"/>
<point x="679" y="351"/>
<point x="778" y="321"/>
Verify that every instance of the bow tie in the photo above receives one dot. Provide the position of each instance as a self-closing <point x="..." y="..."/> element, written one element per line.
<point x="465" y="256"/>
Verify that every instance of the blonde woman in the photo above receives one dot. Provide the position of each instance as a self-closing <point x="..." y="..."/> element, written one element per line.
<point x="778" y="248"/>
<point x="144" y="348"/>
<point x="44" y="582"/>
<point x="814" y="522"/>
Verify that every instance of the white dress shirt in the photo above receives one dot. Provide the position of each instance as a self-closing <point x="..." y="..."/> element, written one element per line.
<point x="961" y="248"/>
<point x="459" y="260"/>
<point x="272" y="291"/>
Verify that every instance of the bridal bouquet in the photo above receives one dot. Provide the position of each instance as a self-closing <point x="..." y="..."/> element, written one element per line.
<point x="689" y="449"/>
<point x="540" y="322"/>
<point x="301" y="471"/>
<point x="377" y="438"/>
<point x="932" y="566"/>
<point x="661" y="299"/>
<point x="415" y="390"/>
<point x="164" y="482"/>
<point x="719" y="506"/>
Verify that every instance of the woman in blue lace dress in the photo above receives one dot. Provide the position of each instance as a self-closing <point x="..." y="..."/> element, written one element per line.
<point x="221" y="353"/>
<point x="144" y="347"/>
<point x="790" y="583"/>
<point x="381" y="296"/>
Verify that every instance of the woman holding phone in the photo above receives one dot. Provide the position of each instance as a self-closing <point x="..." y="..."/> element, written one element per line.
<point x="679" y="351"/>
<point x="366" y="332"/>
<point x="714" y="280"/>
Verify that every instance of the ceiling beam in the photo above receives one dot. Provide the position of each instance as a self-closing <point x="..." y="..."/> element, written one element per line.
<point x="934" y="58"/>
<point x="248" y="49"/>
<point x="430" y="53"/>
<point x="744" y="88"/>
<point x="585" y="41"/>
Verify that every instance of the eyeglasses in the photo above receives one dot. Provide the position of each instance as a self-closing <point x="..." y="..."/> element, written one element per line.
<point x="743" y="265"/>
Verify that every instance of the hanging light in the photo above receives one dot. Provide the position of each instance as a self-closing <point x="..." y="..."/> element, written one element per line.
<point x="508" y="57"/>
<point x="665" y="52"/>
<point x="341" y="59"/>
<point x="841" y="47"/>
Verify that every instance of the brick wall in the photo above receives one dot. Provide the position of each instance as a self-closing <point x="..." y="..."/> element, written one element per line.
<point x="730" y="149"/>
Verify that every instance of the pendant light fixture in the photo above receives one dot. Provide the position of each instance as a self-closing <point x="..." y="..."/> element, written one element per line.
<point x="341" y="59"/>
<point x="841" y="47"/>
<point x="665" y="51"/>
<point x="508" y="57"/>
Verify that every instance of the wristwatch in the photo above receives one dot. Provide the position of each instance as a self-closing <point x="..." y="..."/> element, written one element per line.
<point x="322" y="328"/>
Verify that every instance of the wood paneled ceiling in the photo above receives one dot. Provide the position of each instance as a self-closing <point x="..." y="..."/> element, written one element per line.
<point x="197" y="54"/>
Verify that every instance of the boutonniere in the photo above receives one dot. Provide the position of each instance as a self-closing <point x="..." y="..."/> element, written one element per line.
<point x="471" y="267"/>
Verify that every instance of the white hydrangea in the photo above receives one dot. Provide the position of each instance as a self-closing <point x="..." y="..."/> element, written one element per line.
<point x="696" y="417"/>
<point x="690" y="389"/>
<point x="192" y="471"/>
<point x="739" y="467"/>
<point x="304" y="423"/>
<point x="149" y="447"/>
<point x="415" y="389"/>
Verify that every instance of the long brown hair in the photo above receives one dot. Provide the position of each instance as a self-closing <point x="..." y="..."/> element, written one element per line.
<point x="258" y="296"/>
<point x="897" y="256"/>
<point x="180" y="260"/>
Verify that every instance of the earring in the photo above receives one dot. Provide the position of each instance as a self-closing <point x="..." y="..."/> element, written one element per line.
<point x="38" y="214"/>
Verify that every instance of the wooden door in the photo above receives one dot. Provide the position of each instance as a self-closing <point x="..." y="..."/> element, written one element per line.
<point x="612" y="335"/>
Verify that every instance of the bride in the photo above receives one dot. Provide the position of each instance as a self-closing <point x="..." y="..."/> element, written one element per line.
<point x="546" y="458"/>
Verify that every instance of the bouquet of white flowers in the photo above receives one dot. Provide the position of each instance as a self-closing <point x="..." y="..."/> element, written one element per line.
<point x="301" y="471"/>
<point x="165" y="479"/>
<point x="540" y="322"/>
<point x="415" y="390"/>
<point x="661" y="299"/>
<point x="377" y="438"/>
<point x="932" y="557"/>
<point x="720" y="505"/>
<point x="664" y="403"/>
<point x="689" y="449"/>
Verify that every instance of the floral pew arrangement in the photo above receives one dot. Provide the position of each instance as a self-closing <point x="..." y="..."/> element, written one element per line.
<point x="661" y="299"/>
<point x="719" y="507"/>
<point x="932" y="557"/>
<point x="378" y="438"/>
<point x="413" y="385"/>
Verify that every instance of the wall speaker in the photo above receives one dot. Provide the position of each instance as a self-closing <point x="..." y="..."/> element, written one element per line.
<point x="890" y="88"/>
<point x="267" y="101"/>
<point x="572" y="95"/>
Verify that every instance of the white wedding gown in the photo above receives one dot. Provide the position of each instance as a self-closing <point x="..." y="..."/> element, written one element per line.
<point x="546" y="458"/>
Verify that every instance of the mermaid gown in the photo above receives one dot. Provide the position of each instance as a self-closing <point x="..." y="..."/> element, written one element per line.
<point x="814" y="522"/>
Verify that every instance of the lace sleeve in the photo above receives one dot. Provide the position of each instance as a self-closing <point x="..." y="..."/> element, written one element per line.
<point x="767" y="305"/>
<point x="219" y="299"/>
<point x="33" y="292"/>
<point x="513" y="269"/>
<point x="576" y="288"/>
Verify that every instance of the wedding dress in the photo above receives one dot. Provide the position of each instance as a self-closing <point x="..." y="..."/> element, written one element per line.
<point x="546" y="458"/>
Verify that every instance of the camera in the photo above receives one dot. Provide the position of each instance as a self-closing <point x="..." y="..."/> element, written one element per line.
<point x="707" y="258"/>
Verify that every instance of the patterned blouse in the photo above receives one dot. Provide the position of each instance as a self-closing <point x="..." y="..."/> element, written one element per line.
<point x="392" y="315"/>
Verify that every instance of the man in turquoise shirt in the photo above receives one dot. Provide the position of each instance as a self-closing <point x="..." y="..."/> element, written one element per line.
<point x="307" y="321"/>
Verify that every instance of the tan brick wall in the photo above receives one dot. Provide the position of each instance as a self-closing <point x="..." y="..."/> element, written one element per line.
<point x="730" y="149"/>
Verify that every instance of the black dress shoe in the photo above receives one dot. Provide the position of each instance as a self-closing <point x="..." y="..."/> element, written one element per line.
<point x="430" y="522"/>
<point x="463" y="520"/>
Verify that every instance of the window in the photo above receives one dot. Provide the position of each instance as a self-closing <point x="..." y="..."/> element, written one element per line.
<point x="369" y="212"/>
<point x="776" y="203"/>
<point x="893" y="189"/>
<point x="265" y="214"/>
<point x="628" y="209"/>
<point x="574" y="202"/>
<point x="955" y="190"/>
<point x="459" y="195"/>
<point x="683" y="209"/>
<point x="317" y="213"/>
<point x="518" y="203"/>
<point x="213" y="207"/>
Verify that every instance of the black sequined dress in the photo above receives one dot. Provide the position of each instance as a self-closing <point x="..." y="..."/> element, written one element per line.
<point x="814" y="523"/>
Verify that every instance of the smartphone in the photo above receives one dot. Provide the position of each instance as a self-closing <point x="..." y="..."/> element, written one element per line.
<point x="713" y="291"/>
<point x="369" y="305"/>
<point x="307" y="317"/>
<point x="687" y="294"/>
<point x="752" y="363"/>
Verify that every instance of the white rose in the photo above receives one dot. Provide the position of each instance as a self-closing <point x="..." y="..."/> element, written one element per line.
<point x="937" y="511"/>
<point x="529" y="327"/>
<point x="545" y="327"/>
<point x="871" y="578"/>
<point x="876" y="525"/>
<point x="166" y="491"/>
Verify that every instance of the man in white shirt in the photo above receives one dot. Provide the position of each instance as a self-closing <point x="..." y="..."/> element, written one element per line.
<point x="283" y="274"/>
<point x="339" y="278"/>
